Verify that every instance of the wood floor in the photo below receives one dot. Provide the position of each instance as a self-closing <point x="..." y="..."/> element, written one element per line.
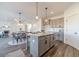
<point x="59" y="50"/>
<point x="5" y="48"/>
<point x="62" y="50"/>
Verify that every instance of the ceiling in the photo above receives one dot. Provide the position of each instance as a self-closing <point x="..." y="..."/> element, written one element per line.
<point x="9" y="10"/>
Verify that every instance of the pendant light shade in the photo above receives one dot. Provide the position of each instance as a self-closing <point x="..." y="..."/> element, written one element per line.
<point x="36" y="11"/>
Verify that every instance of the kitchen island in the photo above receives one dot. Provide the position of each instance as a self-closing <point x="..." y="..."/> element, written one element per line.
<point x="40" y="43"/>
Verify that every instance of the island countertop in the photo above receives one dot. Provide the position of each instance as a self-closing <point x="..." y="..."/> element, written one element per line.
<point x="39" y="34"/>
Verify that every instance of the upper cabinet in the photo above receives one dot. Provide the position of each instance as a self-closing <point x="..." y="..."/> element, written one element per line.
<point x="46" y="22"/>
<point x="54" y="23"/>
<point x="58" y="23"/>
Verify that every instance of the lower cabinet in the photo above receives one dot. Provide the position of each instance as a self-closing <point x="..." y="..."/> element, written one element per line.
<point x="44" y="44"/>
<point x="39" y="45"/>
<point x="51" y="40"/>
<point x="59" y="36"/>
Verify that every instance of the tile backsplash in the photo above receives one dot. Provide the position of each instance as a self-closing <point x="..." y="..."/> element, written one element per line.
<point x="51" y="30"/>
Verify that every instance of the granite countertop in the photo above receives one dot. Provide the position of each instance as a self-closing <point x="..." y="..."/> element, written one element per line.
<point x="39" y="34"/>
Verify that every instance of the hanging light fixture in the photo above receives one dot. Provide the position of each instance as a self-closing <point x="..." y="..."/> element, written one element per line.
<point x="36" y="11"/>
<point x="19" y="15"/>
<point x="46" y="20"/>
<point x="19" y="19"/>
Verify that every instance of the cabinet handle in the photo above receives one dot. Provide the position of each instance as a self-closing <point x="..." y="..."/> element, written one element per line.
<point x="45" y="41"/>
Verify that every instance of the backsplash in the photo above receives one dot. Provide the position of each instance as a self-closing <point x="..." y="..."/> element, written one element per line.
<point x="52" y="30"/>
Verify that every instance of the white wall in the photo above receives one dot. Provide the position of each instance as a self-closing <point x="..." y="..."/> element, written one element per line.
<point x="36" y="26"/>
<point x="71" y="26"/>
<point x="13" y="27"/>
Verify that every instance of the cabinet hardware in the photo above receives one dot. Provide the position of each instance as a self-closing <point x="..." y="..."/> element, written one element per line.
<point x="45" y="41"/>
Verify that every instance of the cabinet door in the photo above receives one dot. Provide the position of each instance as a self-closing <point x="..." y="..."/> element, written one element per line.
<point x="41" y="47"/>
<point x="51" y="40"/>
<point x="56" y="36"/>
<point x="43" y="44"/>
<point x="48" y="38"/>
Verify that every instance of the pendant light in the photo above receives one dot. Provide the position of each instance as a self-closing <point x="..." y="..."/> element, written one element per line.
<point x="46" y="20"/>
<point x="20" y="17"/>
<point x="19" y="20"/>
<point x="36" y="11"/>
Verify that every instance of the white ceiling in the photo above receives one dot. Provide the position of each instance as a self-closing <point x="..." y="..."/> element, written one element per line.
<point x="9" y="10"/>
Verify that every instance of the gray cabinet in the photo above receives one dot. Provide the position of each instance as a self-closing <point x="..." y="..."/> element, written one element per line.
<point x="59" y="36"/>
<point x="43" y="44"/>
<point x="51" y="40"/>
<point x="56" y="36"/>
<point x="40" y="44"/>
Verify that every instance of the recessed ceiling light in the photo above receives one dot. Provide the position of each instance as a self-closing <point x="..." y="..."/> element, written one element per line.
<point x="51" y="12"/>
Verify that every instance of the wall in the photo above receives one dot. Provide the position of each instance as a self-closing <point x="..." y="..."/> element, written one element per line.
<point x="71" y="24"/>
<point x="36" y="26"/>
<point x="13" y="27"/>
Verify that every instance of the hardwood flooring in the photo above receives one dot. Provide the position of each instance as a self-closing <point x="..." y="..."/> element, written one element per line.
<point x="5" y="48"/>
<point x="62" y="50"/>
<point x="59" y="50"/>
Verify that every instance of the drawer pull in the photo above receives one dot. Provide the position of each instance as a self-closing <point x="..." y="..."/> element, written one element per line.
<point x="45" y="41"/>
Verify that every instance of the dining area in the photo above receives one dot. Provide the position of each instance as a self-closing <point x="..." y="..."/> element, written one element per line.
<point x="12" y="43"/>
